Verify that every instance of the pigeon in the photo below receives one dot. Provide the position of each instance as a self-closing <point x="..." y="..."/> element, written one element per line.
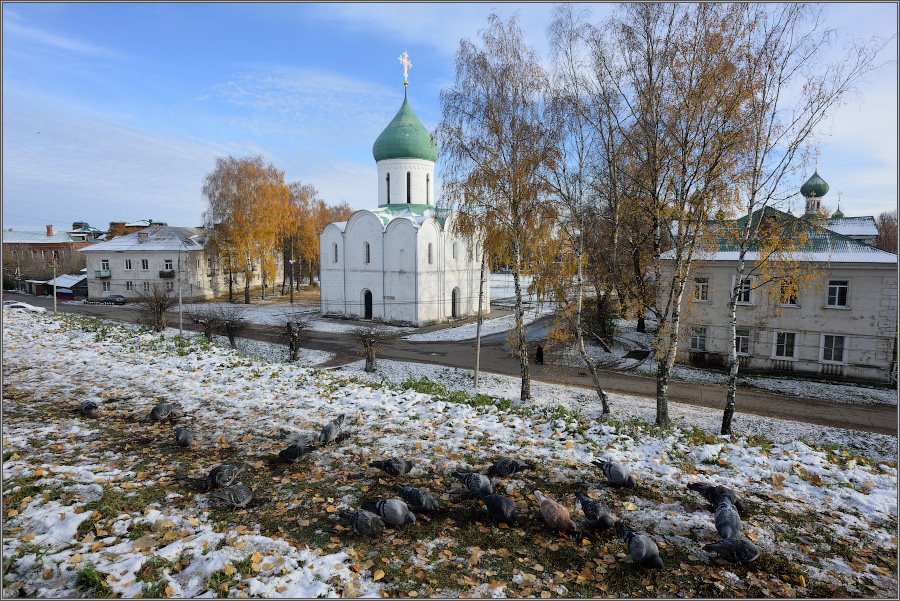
<point x="160" y="412"/>
<point x="364" y="522"/>
<point x="736" y="548"/>
<point x="500" y="508"/>
<point x="507" y="466"/>
<point x="183" y="437"/>
<point x="394" y="512"/>
<point x="223" y="475"/>
<point x="89" y="407"/>
<point x="596" y="514"/>
<point x="295" y="453"/>
<point x="642" y="549"/>
<point x="395" y="466"/>
<point x="416" y="498"/>
<point x="713" y="493"/>
<point x="617" y="474"/>
<point x="236" y="495"/>
<point x="555" y="514"/>
<point x="332" y="430"/>
<point x="728" y="522"/>
<point x="475" y="483"/>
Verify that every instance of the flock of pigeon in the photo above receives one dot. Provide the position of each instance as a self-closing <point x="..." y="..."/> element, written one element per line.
<point x="372" y="517"/>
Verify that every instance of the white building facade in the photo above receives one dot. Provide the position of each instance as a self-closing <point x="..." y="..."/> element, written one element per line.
<point x="400" y="263"/>
<point x="159" y="255"/>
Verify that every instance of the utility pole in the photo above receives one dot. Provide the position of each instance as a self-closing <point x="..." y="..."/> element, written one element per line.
<point x="54" y="285"/>
<point x="478" y="327"/>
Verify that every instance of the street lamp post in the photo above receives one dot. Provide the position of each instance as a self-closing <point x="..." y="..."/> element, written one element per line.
<point x="292" y="279"/>
<point x="54" y="286"/>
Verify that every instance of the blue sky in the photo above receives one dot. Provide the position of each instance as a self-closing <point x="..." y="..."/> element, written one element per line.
<point x="134" y="102"/>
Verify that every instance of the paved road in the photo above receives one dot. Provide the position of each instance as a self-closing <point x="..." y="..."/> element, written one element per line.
<point x="494" y="358"/>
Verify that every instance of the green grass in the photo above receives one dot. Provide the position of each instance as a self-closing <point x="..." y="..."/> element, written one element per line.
<point x="88" y="578"/>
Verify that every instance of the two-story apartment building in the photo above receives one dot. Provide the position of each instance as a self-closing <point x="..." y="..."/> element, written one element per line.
<point x="843" y="323"/>
<point x="157" y="255"/>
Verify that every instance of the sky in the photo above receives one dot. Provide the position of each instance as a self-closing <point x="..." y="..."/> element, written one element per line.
<point x="116" y="112"/>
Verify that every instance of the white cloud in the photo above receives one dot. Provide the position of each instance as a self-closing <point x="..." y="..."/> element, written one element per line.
<point x="12" y="27"/>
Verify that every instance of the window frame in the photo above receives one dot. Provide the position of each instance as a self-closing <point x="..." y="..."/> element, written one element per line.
<point x="146" y="286"/>
<point x="168" y="264"/>
<point x="701" y="285"/>
<point x="794" y="345"/>
<point x="104" y="264"/>
<point x="844" y="348"/>
<point x="106" y="286"/>
<point x="129" y="286"/>
<point x="748" y="337"/>
<point x="750" y="290"/>
<point x="838" y="284"/>
<point x="145" y="264"/>
<point x="335" y="247"/>
<point x="367" y="253"/>
<point x="430" y="262"/>
<point x="795" y="298"/>
<point x="698" y="339"/>
<point x="127" y="264"/>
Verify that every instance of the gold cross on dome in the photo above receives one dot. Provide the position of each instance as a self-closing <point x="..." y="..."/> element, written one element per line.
<point x="404" y="60"/>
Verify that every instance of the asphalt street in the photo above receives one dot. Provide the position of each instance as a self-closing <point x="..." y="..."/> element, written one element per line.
<point x="496" y="358"/>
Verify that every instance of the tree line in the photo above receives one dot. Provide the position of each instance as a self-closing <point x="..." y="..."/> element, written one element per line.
<point x="642" y="143"/>
<point x="259" y="222"/>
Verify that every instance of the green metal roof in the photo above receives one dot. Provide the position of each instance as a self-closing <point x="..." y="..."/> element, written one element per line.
<point x="405" y="138"/>
<point x="417" y="213"/>
<point x="815" y="187"/>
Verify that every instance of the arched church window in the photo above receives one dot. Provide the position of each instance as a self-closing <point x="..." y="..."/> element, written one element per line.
<point x="388" y="180"/>
<point x="335" y="252"/>
<point x="454" y="250"/>
<point x="368" y="254"/>
<point x="408" y="188"/>
<point x="427" y="188"/>
<point x="429" y="253"/>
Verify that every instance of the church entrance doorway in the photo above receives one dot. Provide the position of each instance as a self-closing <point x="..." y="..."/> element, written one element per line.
<point x="367" y="304"/>
<point x="454" y="300"/>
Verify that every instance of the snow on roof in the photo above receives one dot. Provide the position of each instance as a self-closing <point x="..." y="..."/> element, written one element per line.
<point x="16" y="237"/>
<point x="165" y="238"/>
<point x="415" y="213"/>
<point x="68" y="280"/>
<point x="853" y="226"/>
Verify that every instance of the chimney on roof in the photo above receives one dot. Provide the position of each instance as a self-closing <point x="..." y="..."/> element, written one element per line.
<point x="49" y="230"/>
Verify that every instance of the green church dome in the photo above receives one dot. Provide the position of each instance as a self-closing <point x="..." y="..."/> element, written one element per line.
<point x="815" y="187"/>
<point x="405" y="138"/>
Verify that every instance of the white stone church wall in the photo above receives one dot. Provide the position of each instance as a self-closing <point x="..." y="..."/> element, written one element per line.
<point x="400" y="272"/>
<point x="430" y="280"/>
<point x="421" y="175"/>
<point x="331" y="283"/>
<point x="364" y="228"/>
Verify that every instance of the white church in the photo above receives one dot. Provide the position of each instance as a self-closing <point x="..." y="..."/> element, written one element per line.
<point x="400" y="263"/>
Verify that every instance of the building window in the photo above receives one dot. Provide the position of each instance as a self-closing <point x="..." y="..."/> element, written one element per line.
<point x="127" y="264"/>
<point x="429" y="253"/>
<point x="105" y="286"/>
<point x="837" y="293"/>
<point x="408" y="188"/>
<point x="168" y="263"/>
<point x="742" y="342"/>
<point x="146" y="286"/>
<point x="388" y="180"/>
<point x="43" y="254"/>
<point x="832" y="350"/>
<point x="56" y="255"/>
<point x="104" y="264"/>
<point x="785" y="345"/>
<point x="209" y="267"/>
<point x="454" y="250"/>
<point x="15" y="254"/>
<point x="428" y="188"/>
<point x="129" y="287"/>
<point x="744" y="291"/>
<point x="368" y="252"/>
<point x="701" y="289"/>
<point x="34" y="254"/>
<point x="698" y="339"/>
<point x="335" y="252"/>
<point x="145" y="264"/>
<point x="789" y="292"/>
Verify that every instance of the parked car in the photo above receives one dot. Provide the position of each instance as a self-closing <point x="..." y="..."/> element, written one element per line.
<point x="116" y="299"/>
<point x="20" y="306"/>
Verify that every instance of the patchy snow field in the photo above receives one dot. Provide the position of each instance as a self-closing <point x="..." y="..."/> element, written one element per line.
<point x="100" y="505"/>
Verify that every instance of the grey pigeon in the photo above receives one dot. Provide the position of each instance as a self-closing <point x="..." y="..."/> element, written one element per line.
<point x="89" y="407"/>
<point x="507" y="466"/>
<point x="394" y="512"/>
<point x="223" y="475"/>
<point x="500" y="508"/>
<point x="416" y="498"/>
<point x="395" y="466"/>
<point x="616" y="473"/>
<point x="555" y="514"/>
<point x="474" y="483"/>
<point x="728" y="522"/>
<point x="236" y="495"/>
<point x="183" y="437"/>
<point x="295" y="453"/>
<point x="737" y="549"/>
<point x="713" y="494"/>
<point x="332" y="430"/>
<point x="642" y="549"/>
<point x="364" y="522"/>
<point x="596" y="514"/>
<point x="160" y="411"/>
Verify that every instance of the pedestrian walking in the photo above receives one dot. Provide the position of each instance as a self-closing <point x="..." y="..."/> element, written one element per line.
<point x="539" y="355"/>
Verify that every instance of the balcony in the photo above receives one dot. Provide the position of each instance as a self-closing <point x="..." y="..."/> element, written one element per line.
<point x="167" y="273"/>
<point x="102" y="274"/>
<point x="211" y="273"/>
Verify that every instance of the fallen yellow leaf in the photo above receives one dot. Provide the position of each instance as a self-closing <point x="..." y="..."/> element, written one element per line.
<point x="378" y="575"/>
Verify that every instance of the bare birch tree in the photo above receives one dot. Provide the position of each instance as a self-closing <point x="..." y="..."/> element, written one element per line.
<point x="495" y="143"/>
